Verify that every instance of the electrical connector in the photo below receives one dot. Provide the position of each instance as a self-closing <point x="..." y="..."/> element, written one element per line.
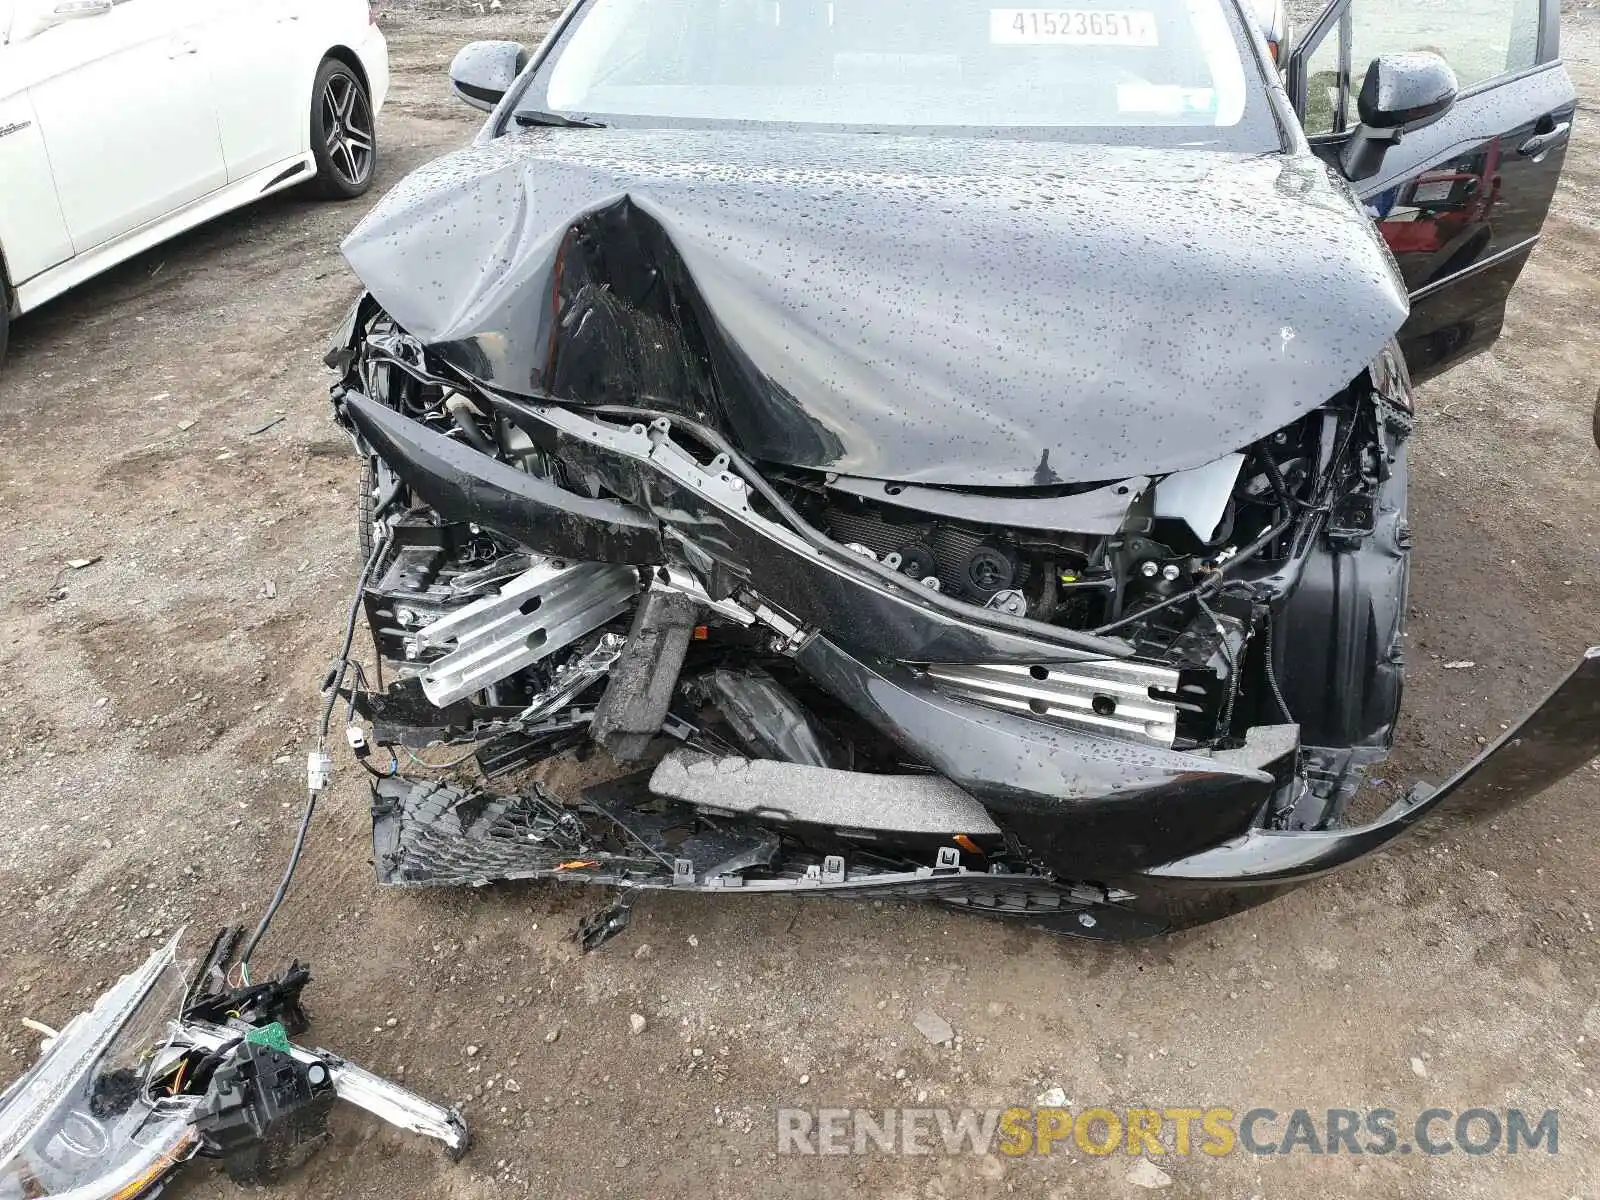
<point x="319" y="770"/>
<point x="357" y="737"/>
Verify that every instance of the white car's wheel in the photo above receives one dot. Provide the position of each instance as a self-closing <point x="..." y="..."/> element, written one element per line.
<point x="344" y="134"/>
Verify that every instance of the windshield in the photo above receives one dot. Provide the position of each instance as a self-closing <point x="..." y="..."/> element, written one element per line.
<point x="905" y="65"/>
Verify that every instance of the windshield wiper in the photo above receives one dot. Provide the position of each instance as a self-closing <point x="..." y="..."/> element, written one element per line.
<point x="533" y="116"/>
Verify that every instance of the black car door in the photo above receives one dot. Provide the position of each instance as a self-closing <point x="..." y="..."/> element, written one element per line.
<point x="1462" y="202"/>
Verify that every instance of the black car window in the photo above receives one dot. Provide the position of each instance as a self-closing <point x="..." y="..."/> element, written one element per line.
<point x="1480" y="39"/>
<point x="1181" y="66"/>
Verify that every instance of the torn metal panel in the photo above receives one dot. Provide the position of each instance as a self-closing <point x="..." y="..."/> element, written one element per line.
<point x="724" y="275"/>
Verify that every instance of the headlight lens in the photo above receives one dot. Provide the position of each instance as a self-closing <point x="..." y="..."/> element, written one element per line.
<point x="81" y="1125"/>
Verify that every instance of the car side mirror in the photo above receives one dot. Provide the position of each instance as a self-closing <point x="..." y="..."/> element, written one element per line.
<point x="1402" y="93"/>
<point x="483" y="72"/>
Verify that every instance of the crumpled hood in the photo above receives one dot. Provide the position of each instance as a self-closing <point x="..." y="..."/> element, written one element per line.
<point x="930" y="309"/>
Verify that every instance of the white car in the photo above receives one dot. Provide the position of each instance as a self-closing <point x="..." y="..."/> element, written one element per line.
<point x="126" y="122"/>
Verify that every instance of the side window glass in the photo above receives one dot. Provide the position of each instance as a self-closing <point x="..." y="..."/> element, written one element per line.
<point x="1480" y="39"/>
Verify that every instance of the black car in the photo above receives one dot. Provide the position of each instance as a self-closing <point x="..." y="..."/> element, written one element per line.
<point x="932" y="449"/>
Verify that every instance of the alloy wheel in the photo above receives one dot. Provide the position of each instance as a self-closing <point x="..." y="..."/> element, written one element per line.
<point x="347" y="129"/>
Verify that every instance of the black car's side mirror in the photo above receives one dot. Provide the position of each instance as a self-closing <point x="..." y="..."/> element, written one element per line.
<point x="1402" y="93"/>
<point x="483" y="72"/>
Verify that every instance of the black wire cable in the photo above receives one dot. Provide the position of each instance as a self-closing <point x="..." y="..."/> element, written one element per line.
<point x="1272" y="675"/>
<point x="322" y="741"/>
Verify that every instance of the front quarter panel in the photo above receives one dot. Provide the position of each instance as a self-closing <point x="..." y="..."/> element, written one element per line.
<point x="33" y="233"/>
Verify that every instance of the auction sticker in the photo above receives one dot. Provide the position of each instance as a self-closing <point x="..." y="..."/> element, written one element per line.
<point x="1071" y="27"/>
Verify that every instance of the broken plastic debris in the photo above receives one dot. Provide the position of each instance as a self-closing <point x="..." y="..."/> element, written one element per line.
<point x="1146" y="1174"/>
<point x="78" y="564"/>
<point x="933" y="1027"/>
<point x="1460" y="665"/>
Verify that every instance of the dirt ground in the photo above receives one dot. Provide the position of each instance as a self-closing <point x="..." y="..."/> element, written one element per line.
<point x="155" y="715"/>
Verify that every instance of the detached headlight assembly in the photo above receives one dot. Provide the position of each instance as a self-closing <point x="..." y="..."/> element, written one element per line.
<point x="156" y="1073"/>
<point x="82" y="1123"/>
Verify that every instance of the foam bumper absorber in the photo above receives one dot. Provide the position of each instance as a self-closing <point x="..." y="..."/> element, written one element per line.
<point x="644" y="677"/>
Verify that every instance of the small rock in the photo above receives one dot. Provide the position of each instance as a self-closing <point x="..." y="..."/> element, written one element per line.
<point x="1053" y="1097"/>
<point x="693" y="941"/>
<point x="472" y="1052"/>
<point x="512" y="1086"/>
<point x="643" y="951"/>
<point x="392" y="1022"/>
<point x="1418" y="1067"/>
<point x="932" y="1026"/>
<point x="804" y="1079"/>
<point x="1465" y="664"/>
<point x="636" y="1022"/>
<point x="269" y="591"/>
<point x="552" y="1036"/>
<point x="1146" y="1174"/>
<point x="185" y="426"/>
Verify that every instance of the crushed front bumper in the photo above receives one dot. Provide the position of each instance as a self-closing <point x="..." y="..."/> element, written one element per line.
<point x="1087" y="833"/>
<point x="1124" y="841"/>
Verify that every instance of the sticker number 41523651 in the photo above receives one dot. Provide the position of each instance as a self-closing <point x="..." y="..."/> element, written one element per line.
<point x="1071" y="27"/>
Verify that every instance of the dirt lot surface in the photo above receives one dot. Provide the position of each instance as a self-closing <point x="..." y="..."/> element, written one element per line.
<point x="155" y="716"/>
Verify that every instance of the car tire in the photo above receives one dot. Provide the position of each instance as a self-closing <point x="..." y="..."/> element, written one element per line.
<point x="344" y="133"/>
<point x="5" y="320"/>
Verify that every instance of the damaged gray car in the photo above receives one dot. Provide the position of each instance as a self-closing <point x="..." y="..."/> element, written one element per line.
<point x="931" y="449"/>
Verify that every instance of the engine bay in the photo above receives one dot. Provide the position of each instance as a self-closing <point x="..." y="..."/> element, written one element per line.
<point x="1187" y="574"/>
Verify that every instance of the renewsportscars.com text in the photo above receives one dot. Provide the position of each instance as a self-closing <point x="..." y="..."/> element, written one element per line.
<point x="1213" y="1132"/>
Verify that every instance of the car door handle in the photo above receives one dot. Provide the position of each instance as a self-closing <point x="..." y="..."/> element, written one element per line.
<point x="1540" y="142"/>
